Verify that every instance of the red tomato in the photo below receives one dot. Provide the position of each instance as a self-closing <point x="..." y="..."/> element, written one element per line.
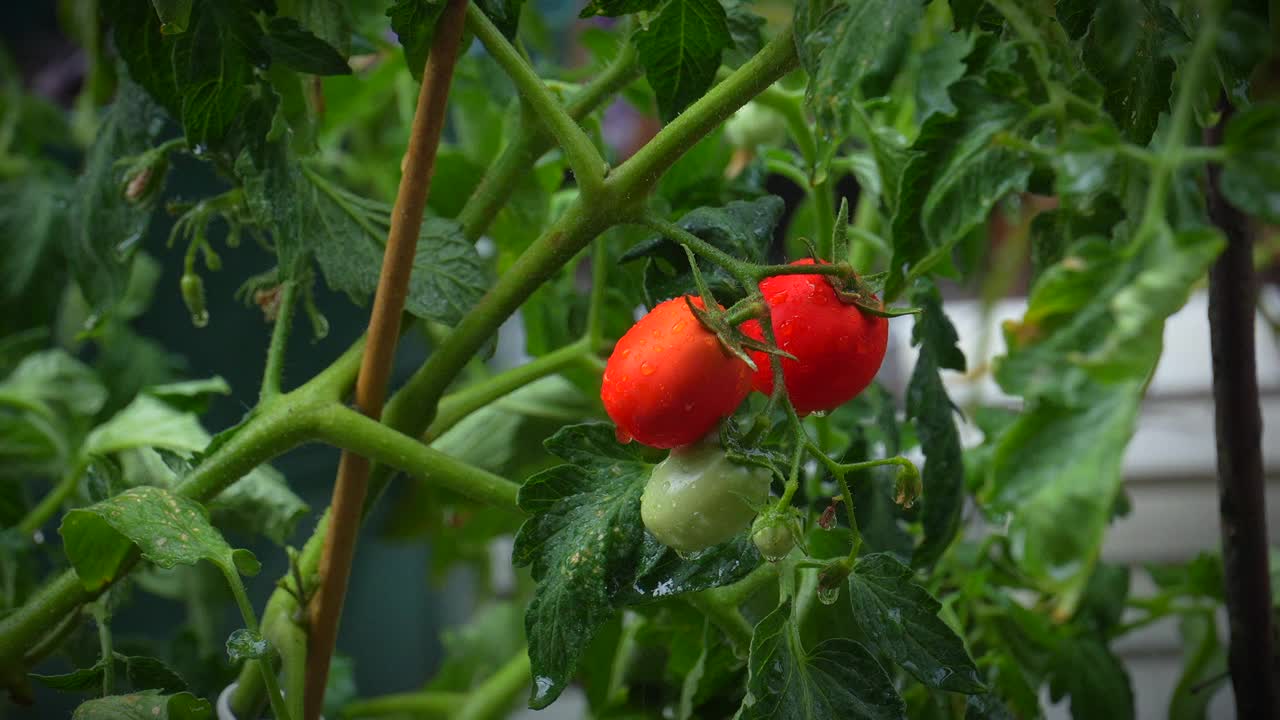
<point x="838" y="347"/>
<point x="668" y="381"/>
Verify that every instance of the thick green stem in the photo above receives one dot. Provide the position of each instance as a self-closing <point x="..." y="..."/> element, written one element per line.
<point x="274" y="371"/>
<point x="456" y="406"/>
<point x="345" y="428"/>
<point x="587" y="164"/>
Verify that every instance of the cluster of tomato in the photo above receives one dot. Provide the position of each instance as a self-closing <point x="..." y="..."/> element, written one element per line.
<point x="669" y="382"/>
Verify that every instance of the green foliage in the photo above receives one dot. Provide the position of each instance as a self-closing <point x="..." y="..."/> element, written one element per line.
<point x="680" y="50"/>
<point x="836" y="679"/>
<point x="977" y="144"/>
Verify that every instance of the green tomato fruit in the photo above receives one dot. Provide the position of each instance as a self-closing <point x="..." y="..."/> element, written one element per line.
<point x="754" y="125"/>
<point x="697" y="498"/>
<point x="773" y="542"/>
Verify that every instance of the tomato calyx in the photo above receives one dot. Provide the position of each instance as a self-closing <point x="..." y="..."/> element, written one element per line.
<point x="851" y="288"/>
<point x="907" y="485"/>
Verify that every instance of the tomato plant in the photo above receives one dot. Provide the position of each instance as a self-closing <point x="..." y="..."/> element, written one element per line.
<point x="298" y="279"/>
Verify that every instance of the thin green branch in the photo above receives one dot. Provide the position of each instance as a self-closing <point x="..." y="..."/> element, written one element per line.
<point x="586" y="162"/>
<point x="642" y="170"/>
<point x="53" y="501"/>
<point x="269" y="679"/>
<point x="456" y="406"/>
<point x="273" y="373"/>
<point x="496" y="694"/>
<point x="102" y="617"/>
<point x="345" y="428"/>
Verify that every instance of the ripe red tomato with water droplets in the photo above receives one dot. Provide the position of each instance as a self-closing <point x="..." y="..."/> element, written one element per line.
<point x="838" y="347"/>
<point x="669" y="381"/>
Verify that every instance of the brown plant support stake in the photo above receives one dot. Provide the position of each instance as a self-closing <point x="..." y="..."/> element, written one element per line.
<point x="1233" y="294"/>
<point x="384" y="329"/>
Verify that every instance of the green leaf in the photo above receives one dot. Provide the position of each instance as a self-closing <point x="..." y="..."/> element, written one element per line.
<point x="82" y="680"/>
<point x="346" y="233"/>
<point x="851" y="50"/>
<point x="941" y="66"/>
<point x="1056" y="462"/>
<point x="1128" y="51"/>
<point x="583" y="535"/>
<point x="31" y="208"/>
<point x="147" y="52"/>
<point x="167" y="528"/>
<point x="747" y="30"/>
<point x="55" y="379"/>
<point x="247" y="645"/>
<point x="836" y="680"/>
<point x="1086" y="165"/>
<point x="144" y="673"/>
<point x="147" y="422"/>
<point x="296" y="47"/>
<point x="929" y="406"/>
<point x="213" y="65"/>
<point x="260" y="503"/>
<point x="1094" y="678"/>
<point x="662" y="573"/>
<point x="614" y="8"/>
<point x="475" y="651"/>
<point x="680" y="51"/>
<point x="743" y="229"/>
<point x="190" y="395"/>
<point x="106" y="226"/>
<point x="954" y="176"/>
<point x="414" y="23"/>
<point x="1204" y="665"/>
<point x="174" y="15"/>
<point x="1251" y="175"/>
<point x="145" y="706"/>
<point x="900" y="619"/>
<point x="505" y="14"/>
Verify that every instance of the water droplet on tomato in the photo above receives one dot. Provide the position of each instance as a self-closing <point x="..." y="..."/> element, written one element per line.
<point x="688" y="407"/>
<point x="623" y="436"/>
<point x="778" y="298"/>
<point x="678" y="327"/>
<point x="626" y="352"/>
<point x="647" y="369"/>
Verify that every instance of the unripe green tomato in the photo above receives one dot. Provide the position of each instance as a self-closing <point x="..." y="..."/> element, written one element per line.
<point x="773" y="542"/>
<point x="754" y="125"/>
<point x="697" y="498"/>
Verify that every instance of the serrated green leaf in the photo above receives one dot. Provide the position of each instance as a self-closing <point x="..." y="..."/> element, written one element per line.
<point x="414" y="23"/>
<point x="662" y="573"/>
<point x="680" y="51"/>
<point x="145" y="706"/>
<point x="261" y="503"/>
<point x="1251" y="175"/>
<point x="296" y="47"/>
<point x="167" y="528"/>
<point x="147" y="52"/>
<point x="54" y="379"/>
<point x="746" y="29"/>
<point x="851" y="50"/>
<point x="32" y="209"/>
<point x="742" y="229"/>
<point x="147" y="422"/>
<point x="941" y="66"/>
<point x="583" y="534"/>
<point x="1127" y="51"/>
<point x="245" y="644"/>
<point x="933" y="412"/>
<point x="82" y="680"/>
<point x="836" y="680"/>
<point x="174" y="15"/>
<point x="505" y="14"/>
<point x="1086" y="164"/>
<point x="213" y="66"/>
<point x="1094" y="678"/>
<point x="900" y="619"/>
<point x="954" y="177"/>
<point x="106" y="227"/>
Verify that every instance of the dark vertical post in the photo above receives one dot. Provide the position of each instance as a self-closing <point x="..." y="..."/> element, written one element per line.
<point x="1233" y="291"/>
